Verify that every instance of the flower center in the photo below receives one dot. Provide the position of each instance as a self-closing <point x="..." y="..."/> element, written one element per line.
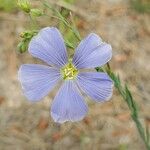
<point x="69" y="72"/>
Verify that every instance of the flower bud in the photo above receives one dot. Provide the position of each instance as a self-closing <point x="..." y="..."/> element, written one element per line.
<point x="24" y="5"/>
<point x="28" y="34"/>
<point x="26" y="37"/>
<point x="22" y="46"/>
<point x="36" y="12"/>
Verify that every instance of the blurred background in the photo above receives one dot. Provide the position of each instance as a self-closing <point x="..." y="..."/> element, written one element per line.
<point x="125" y="24"/>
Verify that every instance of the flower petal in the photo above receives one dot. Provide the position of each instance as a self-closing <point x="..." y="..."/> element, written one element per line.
<point x="37" y="80"/>
<point x="92" y="52"/>
<point x="68" y="104"/>
<point x="49" y="46"/>
<point x="97" y="85"/>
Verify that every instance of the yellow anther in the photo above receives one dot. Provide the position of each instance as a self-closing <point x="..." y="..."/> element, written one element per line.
<point x="69" y="72"/>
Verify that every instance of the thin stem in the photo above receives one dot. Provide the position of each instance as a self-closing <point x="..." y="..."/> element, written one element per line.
<point x="60" y="17"/>
<point x="127" y="97"/>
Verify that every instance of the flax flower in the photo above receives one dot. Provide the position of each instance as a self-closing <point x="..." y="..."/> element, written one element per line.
<point x="38" y="80"/>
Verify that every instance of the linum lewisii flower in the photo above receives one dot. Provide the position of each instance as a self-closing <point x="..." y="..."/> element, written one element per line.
<point x="38" y="80"/>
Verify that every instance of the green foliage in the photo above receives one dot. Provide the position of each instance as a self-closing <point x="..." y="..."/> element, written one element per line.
<point x="141" y="6"/>
<point x="8" y="5"/>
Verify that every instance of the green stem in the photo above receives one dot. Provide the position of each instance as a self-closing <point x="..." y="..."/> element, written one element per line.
<point x="127" y="97"/>
<point x="60" y="17"/>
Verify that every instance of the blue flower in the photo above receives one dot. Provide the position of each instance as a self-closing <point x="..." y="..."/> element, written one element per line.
<point x="38" y="80"/>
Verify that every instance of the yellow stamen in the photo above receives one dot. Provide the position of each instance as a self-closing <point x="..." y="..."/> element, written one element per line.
<point x="69" y="71"/>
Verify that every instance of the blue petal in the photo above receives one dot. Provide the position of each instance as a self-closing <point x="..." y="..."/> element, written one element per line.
<point x="95" y="84"/>
<point x="37" y="80"/>
<point x="49" y="46"/>
<point x="92" y="52"/>
<point x="68" y="104"/>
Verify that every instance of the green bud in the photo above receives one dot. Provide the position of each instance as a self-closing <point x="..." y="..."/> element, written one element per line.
<point x="26" y="37"/>
<point x="24" y="5"/>
<point x="28" y="34"/>
<point x="22" y="46"/>
<point x="36" y="12"/>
